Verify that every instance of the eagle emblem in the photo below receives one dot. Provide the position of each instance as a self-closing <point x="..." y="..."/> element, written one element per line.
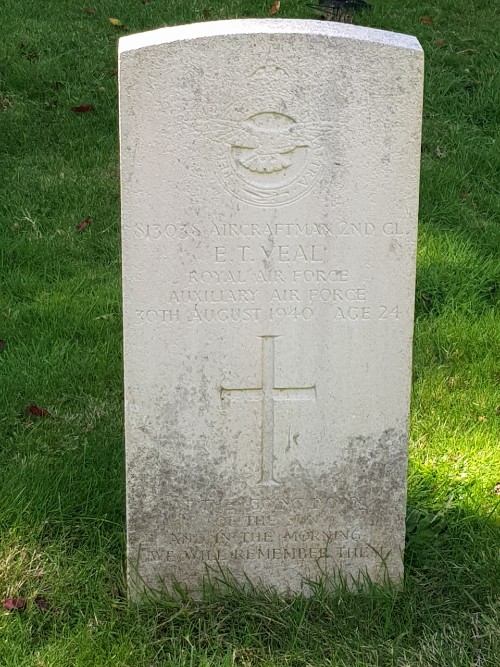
<point x="269" y="158"/>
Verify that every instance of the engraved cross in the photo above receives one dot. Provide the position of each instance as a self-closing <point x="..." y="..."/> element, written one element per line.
<point x="267" y="394"/>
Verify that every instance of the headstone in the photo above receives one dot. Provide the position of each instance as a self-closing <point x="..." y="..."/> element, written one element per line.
<point x="269" y="211"/>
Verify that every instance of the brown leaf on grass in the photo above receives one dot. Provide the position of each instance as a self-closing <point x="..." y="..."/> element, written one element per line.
<point x="146" y="2"/>
<point x="37" y="411"/>
<point x="205" y="13"/>
<point x="439" y="42"/>
<point x="13" y="604"/>
<point x="42" y="603"/>
<point x="496" y="489"/>
<point x="83" y="224"/>
<point x="83" y="108"/>
<point x="2" y="345"/>
<point x="426" y="301"/>
<point x="275" y="7"/>
<point x="471" y="84"/>
<point x="90" y="10"/>
<point x="113" y="72"/>
<point x="426" y="20"/>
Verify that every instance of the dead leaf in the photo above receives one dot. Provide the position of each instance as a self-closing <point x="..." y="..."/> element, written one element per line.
<point x="42" y="603"/>
<point x="37" y="411"/>
<point x="472" y="84"/>
<point x="90" y="10"/>
<point x="2" y="345"/>
<point x="440" y="153"/>
<point x="275" y="7"/>
<point x="205" y="13"/>
<point x="426" y="301"/>
<point x="451" y="382"/>
<point x="113" y="72"/>
<point x="118" y="24"/>
<point x="83" y="224"/>
<point x="13" y="604"/>
<point x="496" y="489"/>
<point x="83" y="108"/>
<point x="146" y="2"/>
<point x="426" y="20"/>
<point x="482" y="418"/>
<point x="439" y="42"/>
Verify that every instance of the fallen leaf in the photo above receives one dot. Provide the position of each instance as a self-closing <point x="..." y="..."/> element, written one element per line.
<point x="439" y="42"/>
<point x="90" y="10"/>
<point x="205" y="13"/>
<point x="451" y="382"/>
<point x="472" y="84"/>
<point x="2" y="345"/>
<point x="37" y="411"/>
<point x="83" y="108"/>
<point x="83" y="224"/>
<point x="118" y="24"/>
<point x="12" y="604"/>
<point x="275" y="7"/>
<point x="440" y="153"/>
<point x="426" y="20"/>
<point x="496" y="489"/>
<point x="426" y="301"/>
<point x="482" y="418"/>
<point x="113" y="72"/>
<point x="42" y="603"/>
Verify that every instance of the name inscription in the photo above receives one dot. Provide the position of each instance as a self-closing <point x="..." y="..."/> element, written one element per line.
<point x="286" y="275"/>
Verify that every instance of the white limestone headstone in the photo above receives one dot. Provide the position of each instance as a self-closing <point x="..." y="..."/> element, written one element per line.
<point x="269" y="213"/>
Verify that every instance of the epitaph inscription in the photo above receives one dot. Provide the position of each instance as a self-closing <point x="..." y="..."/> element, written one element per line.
<point x="269" y="203"/>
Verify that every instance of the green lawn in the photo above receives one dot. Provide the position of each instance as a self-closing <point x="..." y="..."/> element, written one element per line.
<point x="62" y="484"/>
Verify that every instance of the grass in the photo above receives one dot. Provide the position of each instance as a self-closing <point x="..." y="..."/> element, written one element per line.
<point x="62" y="483"/>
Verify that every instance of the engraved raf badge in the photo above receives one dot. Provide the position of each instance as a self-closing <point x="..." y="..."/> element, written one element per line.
<point x="268" y="158"/>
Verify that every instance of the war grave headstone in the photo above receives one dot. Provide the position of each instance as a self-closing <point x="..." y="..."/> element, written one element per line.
<point x="269" y="176"/>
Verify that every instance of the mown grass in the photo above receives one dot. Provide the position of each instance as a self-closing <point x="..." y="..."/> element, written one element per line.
<point x="62" y="483"/>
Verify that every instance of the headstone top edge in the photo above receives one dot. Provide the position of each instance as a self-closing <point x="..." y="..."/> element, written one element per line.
<point x="206" y="29"/>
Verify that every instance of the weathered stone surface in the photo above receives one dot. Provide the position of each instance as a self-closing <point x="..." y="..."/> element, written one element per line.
<point x="269" y="210"/>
